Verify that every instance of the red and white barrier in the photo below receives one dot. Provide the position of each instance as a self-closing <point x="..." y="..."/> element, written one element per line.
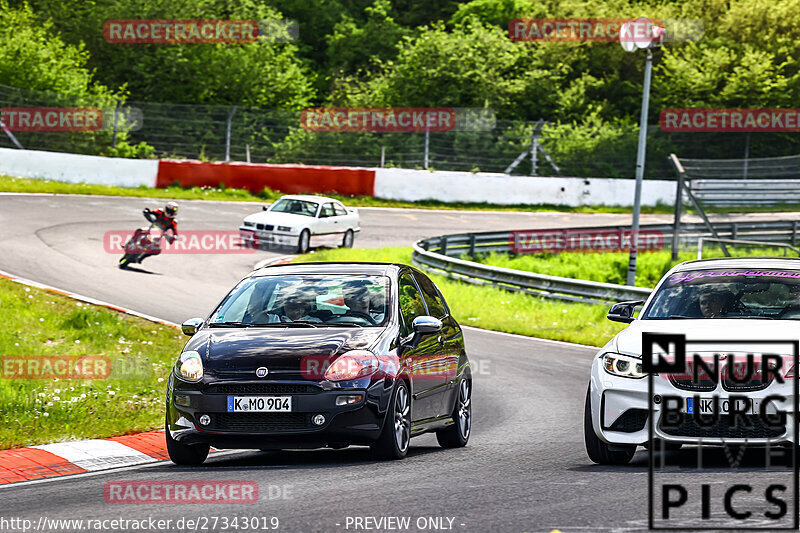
<point x="388" y="183"/>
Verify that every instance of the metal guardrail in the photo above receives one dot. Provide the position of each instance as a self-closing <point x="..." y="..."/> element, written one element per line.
<point x="443" y="255"/>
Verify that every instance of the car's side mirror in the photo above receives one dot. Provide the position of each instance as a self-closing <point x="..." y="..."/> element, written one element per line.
<point x="191" y="326"/>
<point x="426" y="324"/>
<point x="623" y="311"/>
<point x="264" y="208"/>
<point x="422" y="325"/>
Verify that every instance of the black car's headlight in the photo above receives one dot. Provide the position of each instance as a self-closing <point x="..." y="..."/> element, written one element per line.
<point x="189" y="366"/>
<point x="623" y="365"/>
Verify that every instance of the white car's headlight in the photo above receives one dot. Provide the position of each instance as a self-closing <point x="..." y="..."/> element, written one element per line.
<point x="623" y="365"/>
<point x="189" y="366"/>
<point x="284" y="228"/>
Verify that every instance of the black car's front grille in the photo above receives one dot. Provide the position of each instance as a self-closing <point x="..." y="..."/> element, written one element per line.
<point x="630" y="421"/>
<point x="258" y="422"/>
<point x="261" y="388"/>
<point x="753" y="428"/>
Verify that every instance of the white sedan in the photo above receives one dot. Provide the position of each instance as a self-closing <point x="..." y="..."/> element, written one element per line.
<point x="302" y="222"/>
<point x="717" y="312"/>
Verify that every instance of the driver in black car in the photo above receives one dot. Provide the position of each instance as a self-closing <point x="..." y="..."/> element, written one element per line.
<point x="359" y="301"/>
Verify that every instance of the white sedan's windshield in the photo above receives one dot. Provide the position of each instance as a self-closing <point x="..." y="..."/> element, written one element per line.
<point x="732" y="293"/>
<point x="295" y="207"/>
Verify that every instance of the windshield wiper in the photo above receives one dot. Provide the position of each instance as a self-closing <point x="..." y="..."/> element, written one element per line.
<point x="231" y="325"/>
<point x="344" y="324"/>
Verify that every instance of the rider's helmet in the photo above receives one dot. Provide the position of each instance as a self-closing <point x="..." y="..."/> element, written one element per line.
<point x="171" y="209"/>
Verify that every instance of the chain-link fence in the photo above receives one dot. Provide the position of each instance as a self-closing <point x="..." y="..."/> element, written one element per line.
<point x="237" y="133"/>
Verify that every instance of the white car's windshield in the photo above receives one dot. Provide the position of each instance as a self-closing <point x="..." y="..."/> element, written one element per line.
<point x="731" y="293"/>
<point x="313" y="300"/>
<point x="295" y="207"/>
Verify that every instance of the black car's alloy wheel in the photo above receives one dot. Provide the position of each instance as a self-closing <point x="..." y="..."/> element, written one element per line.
<point x="396" y="434"/>
<point x="457" y="434"/>
<point x="184" y="454"/>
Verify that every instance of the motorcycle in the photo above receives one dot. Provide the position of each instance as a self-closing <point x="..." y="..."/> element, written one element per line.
<point x="142" y="244"/>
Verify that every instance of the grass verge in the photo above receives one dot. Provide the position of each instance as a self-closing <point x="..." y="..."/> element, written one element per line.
<point x="496" y="309"/>
<point x="37" y="411"/>
<point x="10" y="184"/>
<point x="612" y="267"/>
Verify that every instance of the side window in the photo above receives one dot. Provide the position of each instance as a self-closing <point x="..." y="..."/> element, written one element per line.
<point x="436" y="305"/>
<point x="411" y="303"/>
<point x="340" y="211"/>
<point x="327" y="211"/>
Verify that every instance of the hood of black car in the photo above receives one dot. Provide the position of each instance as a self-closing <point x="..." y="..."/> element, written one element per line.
<point x="242" y="350"/>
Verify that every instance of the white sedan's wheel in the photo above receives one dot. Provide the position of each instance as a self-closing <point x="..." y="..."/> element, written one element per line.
<point x="347" y="241"/>
<point x="303" y="241"/>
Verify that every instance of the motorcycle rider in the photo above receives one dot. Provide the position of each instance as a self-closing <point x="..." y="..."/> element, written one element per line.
<point x="164" y="221"/>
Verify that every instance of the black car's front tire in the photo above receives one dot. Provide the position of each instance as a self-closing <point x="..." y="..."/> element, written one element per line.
<point x="599" y="451"/>
<point x="396" y="434"/>
<point x="184" y="454"/>
<point x="457" y="435"/>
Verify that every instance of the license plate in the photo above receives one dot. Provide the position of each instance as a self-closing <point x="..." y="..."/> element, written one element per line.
<point x="259" y="404"/>
<point x="706" y="406"/>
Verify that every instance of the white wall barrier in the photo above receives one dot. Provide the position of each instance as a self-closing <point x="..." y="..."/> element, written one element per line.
<point x="76" y="168"/>
<point x="412" y="185"/>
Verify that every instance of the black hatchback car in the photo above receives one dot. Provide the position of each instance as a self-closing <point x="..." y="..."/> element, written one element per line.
<point x="321" y="355"/>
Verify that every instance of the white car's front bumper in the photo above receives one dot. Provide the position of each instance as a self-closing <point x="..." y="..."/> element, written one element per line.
<point x="267" y="238"/>
<point x="620" y="412"/>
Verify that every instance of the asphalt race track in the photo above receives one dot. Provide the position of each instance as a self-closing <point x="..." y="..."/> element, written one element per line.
<point x="524" y="469"/>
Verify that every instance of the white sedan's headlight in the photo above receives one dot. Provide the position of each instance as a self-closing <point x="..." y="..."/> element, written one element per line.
<point x="284" y="228"/>
<point x="190" y="366"/>
<point x="623" y="365"/>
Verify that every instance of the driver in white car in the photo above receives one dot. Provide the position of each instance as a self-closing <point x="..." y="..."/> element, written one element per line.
<point x="715" y="303"/>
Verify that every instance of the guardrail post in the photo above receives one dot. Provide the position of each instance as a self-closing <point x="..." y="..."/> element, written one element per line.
<point x="472" y="245"/>
<point x="443" y="245"/>
<point x="676" y="230"/>
<point x="734" y="231"/>
<point x="794" y="232"/>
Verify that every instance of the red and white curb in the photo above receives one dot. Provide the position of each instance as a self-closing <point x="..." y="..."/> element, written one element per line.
<point x="78" y="457"/>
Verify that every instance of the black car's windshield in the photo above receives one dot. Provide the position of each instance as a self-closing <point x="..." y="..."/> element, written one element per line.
<point x="295" y="207"/>
<point x="305" y="300"/>
<point x="732" y="293"/>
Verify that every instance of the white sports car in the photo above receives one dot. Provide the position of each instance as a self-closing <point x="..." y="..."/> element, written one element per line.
<point x="302" y="222"/>
<point x="728" y="308"/>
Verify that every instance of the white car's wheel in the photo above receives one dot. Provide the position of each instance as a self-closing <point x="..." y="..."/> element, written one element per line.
<point x="303" y="241"/>
<point x="347" y="241"/>
<point x="599" y="451"/>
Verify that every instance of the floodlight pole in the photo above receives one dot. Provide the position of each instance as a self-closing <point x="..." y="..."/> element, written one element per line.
<point x="637" y="196"/>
